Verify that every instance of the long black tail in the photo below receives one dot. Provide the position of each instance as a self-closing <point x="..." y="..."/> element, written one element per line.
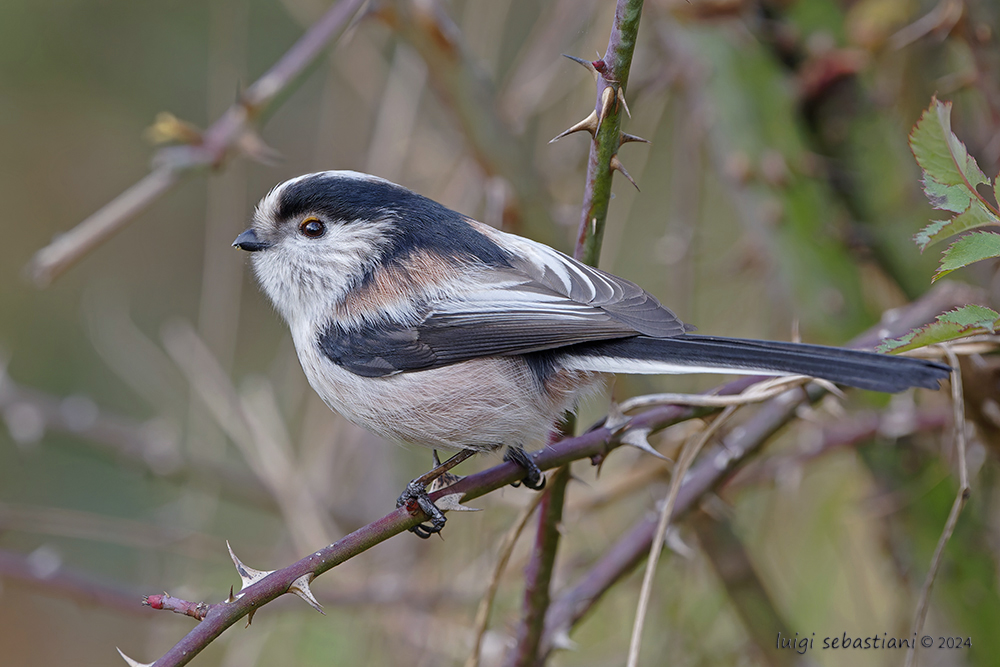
<point x="709" y="354"/>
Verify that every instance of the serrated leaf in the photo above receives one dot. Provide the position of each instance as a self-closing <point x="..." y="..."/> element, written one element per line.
<point x="954" y="198"/>
<point x="973" y="315"/>
<point x="965" y="321"/>
<point x="976" y="216"/>
<point x="968" y="249"/>
<point x="950" y="173"/>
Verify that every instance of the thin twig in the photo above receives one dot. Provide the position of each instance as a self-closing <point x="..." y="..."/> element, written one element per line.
<point x="759" y="393"/>
<point x="233" y="131"/>
<point x="964" y="491"/>
<point x="504" y="552"/>
<point x="720" y="462"/>
<point x="622" y="557"/>
<point x="49" y="262"/>
<point x="688" y="454"/>
<point x="942" y="18"/>
<point x="222" y="615"/>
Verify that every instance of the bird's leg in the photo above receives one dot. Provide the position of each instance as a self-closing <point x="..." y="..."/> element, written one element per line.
<point x="533" y="478"/>
<point x="415" y="497"/>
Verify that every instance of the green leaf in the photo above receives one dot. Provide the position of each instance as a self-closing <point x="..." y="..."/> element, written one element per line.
<point x="965" y="321"/>
<point x="968" y="249"/>
<point x="972" y="316"/>
<point x="939" y="230"/>
<point x="950" y="173"/>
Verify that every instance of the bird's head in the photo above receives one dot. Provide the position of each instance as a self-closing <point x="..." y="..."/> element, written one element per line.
<point x="315" y="237"/>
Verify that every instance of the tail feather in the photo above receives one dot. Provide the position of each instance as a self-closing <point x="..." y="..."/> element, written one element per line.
<point x="710" y="354"/>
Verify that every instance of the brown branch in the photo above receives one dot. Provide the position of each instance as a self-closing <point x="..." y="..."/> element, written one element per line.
<point x="596" y="443"/>
<point x="858" y="428"/>
<point x="232" y="133"/>
<point x="718" y="464"/>
<point x="166" y="602"/>
<point x="504" y="551"/>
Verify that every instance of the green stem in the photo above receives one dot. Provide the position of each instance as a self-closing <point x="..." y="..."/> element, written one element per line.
<point x="613" y="71"/>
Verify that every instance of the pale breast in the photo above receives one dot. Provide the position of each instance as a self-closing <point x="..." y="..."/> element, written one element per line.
<point x="479" y="404"/>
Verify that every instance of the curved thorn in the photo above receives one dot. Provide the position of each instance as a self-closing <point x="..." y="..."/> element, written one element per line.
<point x="453" y="503"/>
<point x="637" y="438"/>
<point x="301" y="588"/>
<point x="626" y="138"/>
<point x="586" y="63"/>
<point x="130" y="661"/>
<point x="617" y="165"/>
<point x="616" y="419"/>
<point x="607" y="100"/>
<point x="673" y="541"/>
<point x="249" y="575"/>
<point x="621" y="98"/>
<point x="588" y="124"/>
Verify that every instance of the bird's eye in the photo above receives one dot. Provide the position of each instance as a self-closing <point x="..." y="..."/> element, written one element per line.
<point x="312" y="227"/>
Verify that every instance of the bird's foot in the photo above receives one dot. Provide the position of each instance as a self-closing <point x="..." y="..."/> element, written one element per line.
<point x="416" y="499"/>
<point x="533" y="477"/>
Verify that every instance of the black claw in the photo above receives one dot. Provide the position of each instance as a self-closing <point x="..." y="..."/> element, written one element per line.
<point x="415" y="499"/>
<point x="533" y="477"/>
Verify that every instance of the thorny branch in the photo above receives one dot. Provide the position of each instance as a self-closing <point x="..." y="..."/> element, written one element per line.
<point x="604" y="124"/>
<point x="716" y="466"/>
<point x="233" y="132"/>
<point x="615" y="68"/>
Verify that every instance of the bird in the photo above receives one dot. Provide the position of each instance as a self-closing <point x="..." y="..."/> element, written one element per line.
<point x="427" y="327"/>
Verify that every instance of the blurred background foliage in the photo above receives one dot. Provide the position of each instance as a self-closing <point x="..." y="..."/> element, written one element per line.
<point x="154" y="407"/>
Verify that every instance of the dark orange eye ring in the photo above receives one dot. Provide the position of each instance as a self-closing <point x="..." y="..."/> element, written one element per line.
<point x="312" y="227"/>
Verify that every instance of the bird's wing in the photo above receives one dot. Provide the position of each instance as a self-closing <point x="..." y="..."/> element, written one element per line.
<point x="563" y="276"/>
<point x="545" y="301"/>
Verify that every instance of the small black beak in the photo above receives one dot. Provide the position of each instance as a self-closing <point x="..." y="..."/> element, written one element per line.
<point x="248" y="241"/>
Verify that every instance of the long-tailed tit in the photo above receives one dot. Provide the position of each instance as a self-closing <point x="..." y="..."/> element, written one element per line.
<point x="427" y="327"/>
